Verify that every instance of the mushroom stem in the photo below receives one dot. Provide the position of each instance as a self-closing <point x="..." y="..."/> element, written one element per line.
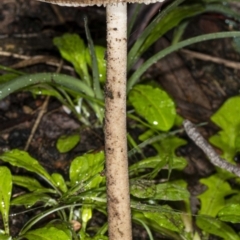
<point x="119" y="213"/>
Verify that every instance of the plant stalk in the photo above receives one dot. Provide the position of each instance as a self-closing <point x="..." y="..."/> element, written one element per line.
<point x="118" y="199"/>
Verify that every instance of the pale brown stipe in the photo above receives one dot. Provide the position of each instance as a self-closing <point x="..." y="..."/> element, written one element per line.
<point x="118" y="196"/>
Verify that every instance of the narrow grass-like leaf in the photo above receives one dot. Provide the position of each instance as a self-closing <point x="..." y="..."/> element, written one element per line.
<point x="133" y="54"/>
<point x="137" y="74"/>
<point x="52" y="78"/>
<point x="95" y="72"/>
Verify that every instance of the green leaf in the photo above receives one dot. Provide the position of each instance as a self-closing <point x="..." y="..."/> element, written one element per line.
<point x="5" y="195"/>
<point x="168" y="220"/>
<point x="7" y="77"/>
<point x="216" y="227"/>
<point x="142" y="188"/>
<point x="173" y="191"/>
<point x="167" y="148"/>
<point x="84" y="167"/>
<point x="59" y="182"/>
<point x="227" y="118"/>
<point x="24" y="160"/>
<point x="73" y="49"/>
<point x="30" y="183"/>
<point x="213" y="199"/>
<point x="29" y="199"/>
<point x="153" y="162"/>
<point x="61" y="225"/>
<point x="47" y="233"/>
<point x="67" y="142"/>
<point x="100" y="54"/>
<point x="5" y="237"/>
<point x="230" y="213"/>
<point x="154" y="105"/>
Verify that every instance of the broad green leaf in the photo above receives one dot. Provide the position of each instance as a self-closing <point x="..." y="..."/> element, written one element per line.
<point x="24" y="160"/>
<point x="30" y="183"/>
<point x="168" y="220"/>
<point x="59" y="182"/>
<point x="234" y="199"/>
<point x="167" y="148"/>
<point x="100" y="54"/>
<point x="142" y="188"/>
<point x="73" y="49"/>
<point x="153" y="162"/>
<point x="5" y="195"/>
<point x="227" y="118"/>
<point x="5" y="237"/>
<point x="213" y="199"/>
<point x="230" y="213"/>
<point x="217" y="227"/>
<point x="84" y="167"/>
<point x="99" y="237"/>
<point x="47" y="233"/>
<point x="61" y="225"/>
<point x="154" y="105"/>
<point x="29" y="199"/>
<point x="173" y="191"/>
<point x="85" y="236"/>
<point x="67" y="142"/>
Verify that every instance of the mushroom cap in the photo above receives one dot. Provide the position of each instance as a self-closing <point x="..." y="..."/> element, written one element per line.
<point x="76" y="3"/>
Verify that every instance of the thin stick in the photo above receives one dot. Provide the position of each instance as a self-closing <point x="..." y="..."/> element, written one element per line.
<point x="40" y="115"/>
<point x="198" y="139"/>
<point x="205" y="57"/>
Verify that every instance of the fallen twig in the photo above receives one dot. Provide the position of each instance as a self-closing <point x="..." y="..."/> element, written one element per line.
<point x="198" y="139"/>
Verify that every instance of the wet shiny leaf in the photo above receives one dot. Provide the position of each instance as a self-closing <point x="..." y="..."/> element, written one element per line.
<point x="154" y="105"/>
<point x="230" y="213"/>
<point x="5" y="195"/>
<point x="59" y="182"/>
<point x="87" y="166"/>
